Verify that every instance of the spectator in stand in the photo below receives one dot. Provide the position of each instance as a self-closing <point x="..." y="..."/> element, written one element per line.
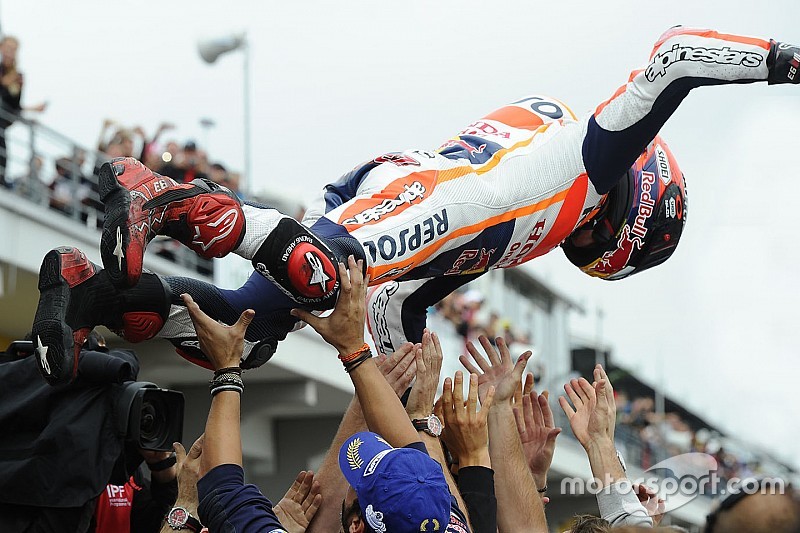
<point x="94" y="208"/>
<point x="121" y="143"/>
<point x="30" y="185"/>
<point x="468" y="327"/>
<point x="68" y="193"/>
<point x="219" y="174"/>
<point x="11" y="83"/>
<point x="151" y="154"/>
<point x="185" y="166"/>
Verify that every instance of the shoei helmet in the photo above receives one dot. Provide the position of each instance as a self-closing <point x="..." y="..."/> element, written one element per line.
<point x="641" y="222"/>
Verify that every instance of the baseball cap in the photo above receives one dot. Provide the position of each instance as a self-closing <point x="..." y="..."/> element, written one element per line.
<point x="399" y="489"/>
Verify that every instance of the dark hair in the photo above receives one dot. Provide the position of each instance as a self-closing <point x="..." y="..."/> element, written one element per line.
<point x="347" y="512"/>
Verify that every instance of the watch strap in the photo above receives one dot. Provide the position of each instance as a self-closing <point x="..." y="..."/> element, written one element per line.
<point x="193" y="524"/>
<point x="421" y="424"/>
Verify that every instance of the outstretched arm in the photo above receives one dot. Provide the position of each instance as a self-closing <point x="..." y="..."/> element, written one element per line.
<point x="225" y="500"/>
<point x="519" y="507"/>
<point x="344" y="330"/>
<point x="681" y="60"/>
<point x="592" y="421"/>
<point x="399" y="370"/>
<point x="223" y="346"/>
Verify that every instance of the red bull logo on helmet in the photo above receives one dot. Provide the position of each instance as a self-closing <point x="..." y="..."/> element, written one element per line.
<point x="646" y="204"/>
<point x="632" y="236"/>
<point x="615" y="260"/>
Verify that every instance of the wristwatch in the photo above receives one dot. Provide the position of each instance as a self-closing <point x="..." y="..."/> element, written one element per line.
<point x="430" y="425"/>
<point x="179" y="518"/>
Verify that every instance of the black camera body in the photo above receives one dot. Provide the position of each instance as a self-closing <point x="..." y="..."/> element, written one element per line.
<point x="149" y="417"/>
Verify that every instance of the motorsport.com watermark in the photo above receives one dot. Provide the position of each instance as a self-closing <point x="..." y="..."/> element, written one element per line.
<point x="678" y="480"/>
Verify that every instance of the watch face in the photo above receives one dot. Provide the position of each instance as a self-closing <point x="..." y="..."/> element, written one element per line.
<point x="435" y="425"/>
<point x="177" y="517"/>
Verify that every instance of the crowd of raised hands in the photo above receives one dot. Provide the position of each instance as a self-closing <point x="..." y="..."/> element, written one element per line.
<point x="494" y="444"/>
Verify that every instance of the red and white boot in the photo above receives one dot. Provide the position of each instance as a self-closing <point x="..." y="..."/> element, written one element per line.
<point x="75" y="295"/>
<point x="140" y="204"/>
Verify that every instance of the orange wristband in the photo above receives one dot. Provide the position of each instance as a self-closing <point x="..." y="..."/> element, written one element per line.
<point x="355" y="355"/>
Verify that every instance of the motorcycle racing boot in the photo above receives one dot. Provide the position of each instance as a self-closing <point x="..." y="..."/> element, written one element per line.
<point x="140" y="204"/>
<point x="75" y="295"/>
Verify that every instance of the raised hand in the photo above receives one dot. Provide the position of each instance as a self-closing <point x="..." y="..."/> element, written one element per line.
<point x="188" y="468"/>
<point x="465" y="432"/>
<point x="344" y="327"/>
<point x="608" y="403"/>
<point x="592" y="418"/>
<point x="429" y="365"/>
<point x="400" y="367"/>
<point x="538" y="432"/>
<point x="223" y="345"/>
<point x="498" y="371"/>
<point x="300" y="503"/>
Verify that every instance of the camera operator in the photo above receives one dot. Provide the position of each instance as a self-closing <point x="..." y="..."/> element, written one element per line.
<point x="60" y="447"/>
<point x="142" y="500"/>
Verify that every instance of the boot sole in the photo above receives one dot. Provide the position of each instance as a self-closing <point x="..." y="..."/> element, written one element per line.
<point x="57" y="364"/>
<point x="116" y="235"/>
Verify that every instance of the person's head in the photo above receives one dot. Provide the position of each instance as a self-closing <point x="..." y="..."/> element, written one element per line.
<point x="63" y="166"/>
<point x="398" y="489"/>
<point x="640" y="222"/>
<point x="191" y="156"/>
<point x="766" y="510"/>
<point x="121" y="143"/>
<point x="8" y="50"/>
<point x="352" y="518"/>
<point x="586" y="523"/>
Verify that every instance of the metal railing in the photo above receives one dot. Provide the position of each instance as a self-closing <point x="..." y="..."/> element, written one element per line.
<point x="56" y="173"/>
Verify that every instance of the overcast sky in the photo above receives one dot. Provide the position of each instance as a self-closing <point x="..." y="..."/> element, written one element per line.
<point x="335" y="83"/>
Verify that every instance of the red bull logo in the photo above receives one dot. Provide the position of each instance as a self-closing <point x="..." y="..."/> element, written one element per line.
<point x="615" y="260"/>
<point x="646" y="204"/>
<point x="632" y="236"/>
<point x="473" y="150"/>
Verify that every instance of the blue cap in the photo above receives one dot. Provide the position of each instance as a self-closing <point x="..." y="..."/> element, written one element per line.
<point x="399" y="489"/>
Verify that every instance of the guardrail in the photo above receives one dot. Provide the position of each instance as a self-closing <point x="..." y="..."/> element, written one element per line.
<point x="56" y="173"/>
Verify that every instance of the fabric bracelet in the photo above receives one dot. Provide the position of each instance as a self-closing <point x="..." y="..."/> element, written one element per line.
<point x="355" y="355"/>
<point x="352" y="365"/>
<point x="228" y="370"/>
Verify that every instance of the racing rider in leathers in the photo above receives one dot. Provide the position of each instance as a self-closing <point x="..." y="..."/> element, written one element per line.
<point x="510" y="187"/>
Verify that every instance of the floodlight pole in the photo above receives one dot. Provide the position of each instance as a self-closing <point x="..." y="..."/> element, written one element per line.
<point x="248" y="176"/>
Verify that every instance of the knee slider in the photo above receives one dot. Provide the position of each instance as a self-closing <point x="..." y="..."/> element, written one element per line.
<point x="300" y="264"/>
